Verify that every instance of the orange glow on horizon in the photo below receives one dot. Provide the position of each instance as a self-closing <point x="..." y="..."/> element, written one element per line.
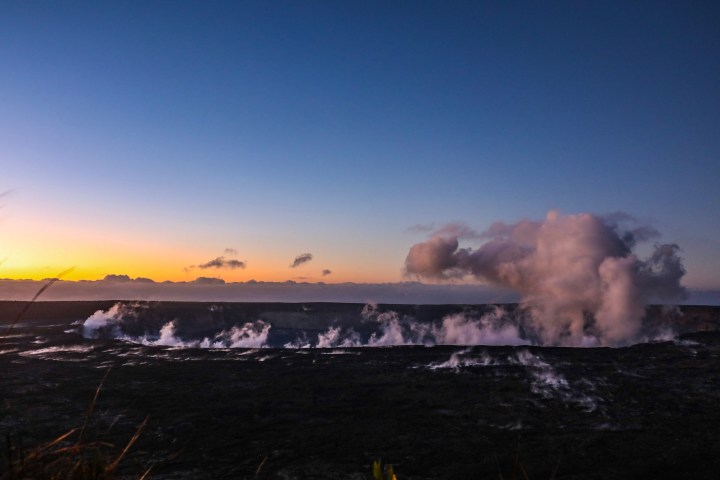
<point x="160" y="275"/>
<point x="38" y="248"/>
<point x="94" y="262"/>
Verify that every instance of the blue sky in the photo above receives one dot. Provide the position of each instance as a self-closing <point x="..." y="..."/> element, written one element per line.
<point x="141" y="132"/>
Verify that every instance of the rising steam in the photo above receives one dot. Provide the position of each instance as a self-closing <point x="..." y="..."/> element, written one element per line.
<point x="141" y="323"/>
<point x="577" y="274"/>
<point x="117" y="323"/>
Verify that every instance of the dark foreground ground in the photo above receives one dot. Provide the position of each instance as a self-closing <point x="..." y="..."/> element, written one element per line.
<point x="647" y="411"/>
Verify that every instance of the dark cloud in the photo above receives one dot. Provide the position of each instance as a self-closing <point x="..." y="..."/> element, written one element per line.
<point x="326" y="272"/>
<point x="222" y="262"/>
<point x="632" y="229"/>
<point x="300" y="259"/>
<point x="214" y="291"/>
<point x="233" y="263"/>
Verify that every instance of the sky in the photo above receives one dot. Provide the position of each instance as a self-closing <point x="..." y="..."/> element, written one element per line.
<point x="150" y="139"/>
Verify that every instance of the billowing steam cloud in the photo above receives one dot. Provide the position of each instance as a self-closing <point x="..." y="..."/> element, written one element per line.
<point x="300" y="259"/>
<point x="577" y="274"/>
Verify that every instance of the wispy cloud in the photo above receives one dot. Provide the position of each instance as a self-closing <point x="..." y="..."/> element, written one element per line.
<point x="219" y="262"/>
<point x="452" y="229"/>
<point x="231" y="251"/>
<point x="326" y="272"/>
<point x="300" y="259"/>
<point x="421" y="228"/>
<point x="456" y="229"/>
<point x="222" y="262"/>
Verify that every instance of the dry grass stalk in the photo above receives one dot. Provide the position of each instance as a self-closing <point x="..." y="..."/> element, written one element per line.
<point x="53" y="461"/>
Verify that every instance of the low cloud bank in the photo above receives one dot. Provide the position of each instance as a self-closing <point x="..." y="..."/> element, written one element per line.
<point x="298" y="292"/>
<point x="206" y="289"/>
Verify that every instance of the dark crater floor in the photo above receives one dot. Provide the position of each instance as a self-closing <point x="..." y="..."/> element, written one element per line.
<point x="646" y="411"/>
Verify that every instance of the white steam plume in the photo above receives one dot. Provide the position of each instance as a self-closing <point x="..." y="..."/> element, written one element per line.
<point x="110" y="324"/>
<point x="577" y="274"/>
<point x="459" y="329"/>
<point x="391" y="329"/>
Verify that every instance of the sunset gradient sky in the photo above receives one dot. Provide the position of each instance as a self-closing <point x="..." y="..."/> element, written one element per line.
<point x="147" y="138"/>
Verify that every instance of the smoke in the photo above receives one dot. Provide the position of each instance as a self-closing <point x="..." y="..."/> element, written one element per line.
<point x="300" y="259"/>
<point x="577" y="274"/>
